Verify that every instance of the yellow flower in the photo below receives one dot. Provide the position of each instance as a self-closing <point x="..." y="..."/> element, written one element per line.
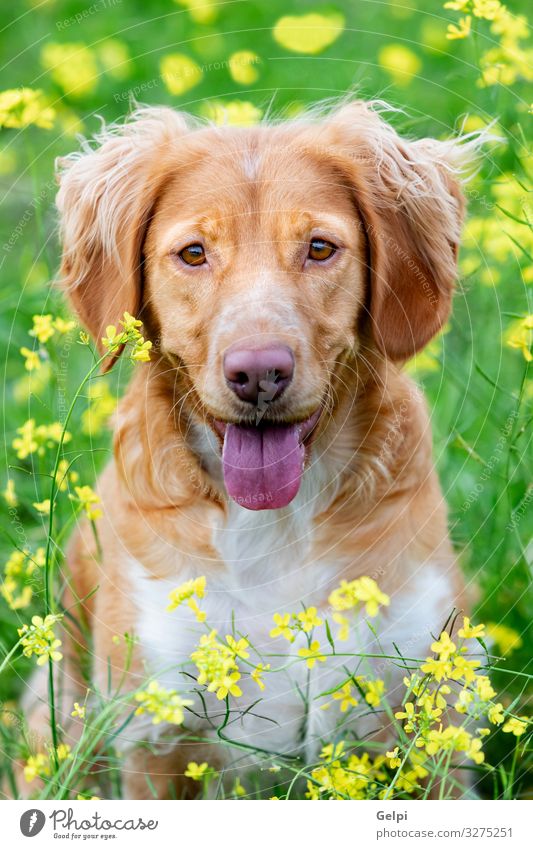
<point x="444" y="647"/>
<point x="79" y="710"/>
<point x="484" y="688"/>
<point x="197" y="771"/>
<point x="43" y="328"/>
<point x="400" y="63"/>
<point x="115" y="58"/>
<point x="463" y="668"/>
<point x="374" y="691"/>
<point x="31" y="358"/>
<point x="350" y="593"/>
<point x="200" y="615"/>
<point x="42" y="507"/>
<point x="185" y="592"/>
<point x="496" y="714"/>
<point x="216" y="666"/>
<point x="469" y="631"/>
<point x="238" y="647"/>
<point x="18" y="569"/>
<point x="309" y="619"/>
<point x="308" y="34"/>
<point x="10" y="496"/>
<point x="164" y="705"/>
<point x="407" y="713"/>
<point x="344" y="622"/>
<point x="179" y="73"/>
<point x="312" y="654"/>
<point x="72" y="66"/>
<point x="438" y="668"/>
<point x="201" y="11"/>
<point x="282" y="629"/>
<point x="521" y="337"/>
<point x="113" y="339"/>
<point x="240" y="113"/>
<point x="462" y="30"/>
<point x="27" y="442"/>
<point x="242" y="67"/>
<point x="344" y="695"/>
<point x="487" y="9"/>
<point x="238" y="789"/>
<point x="394" y="760"/>
<point x="20" y="107"/>
<point x="39" y="639"/>
<point x="130" y="323"/>
<point x="257" y="674"/>
<point x="63" y="752"/>
<point x="37" y="766"/>
<point x="63" y="325"/>
<point x="228" y="686"/>
<point x="64" y="475"/>
<point x="87" y="498"/>
<point x="141" y="351"/>
<point x="516" y="726"/>
<point x="505" y="638"/>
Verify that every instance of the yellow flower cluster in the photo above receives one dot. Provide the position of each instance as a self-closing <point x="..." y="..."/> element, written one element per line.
<point x="88" y="501"/>
<point x="40" y="765"/>
<point x="20" y="107"/>
<point x="40" y="640"/>
<point x="65" y="475"/>
<point x="240" y="113"/>
<point x="287" y="625"/>
<point x="360" y="591"/>
<point x="72" y="66"/>
<point x="129" y="335"/>
<point x="34" y="438"/>
<point x="217" y="666"/>
<point x="505" y="638"/>
<point x="509" y="60"/>
<point x="427" y="699"/>
<point x="201" y="11"/>
<point x="20" y="567"/>
<point x="346" y="775"/>
<point x="520" y="336"/>
<point x="198" y="772"/>
<point x="309" y="34"/>
<point x="164" y="705"/>
<point x="44" y="327"/>
<point x="187" y="592"/>
<point x="371" y="689"/>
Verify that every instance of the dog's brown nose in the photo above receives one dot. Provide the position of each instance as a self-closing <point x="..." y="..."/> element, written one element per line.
<point x="258" y="374"/>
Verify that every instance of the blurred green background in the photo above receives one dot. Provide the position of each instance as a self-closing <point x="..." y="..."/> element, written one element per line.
<point x="235" y="61"/>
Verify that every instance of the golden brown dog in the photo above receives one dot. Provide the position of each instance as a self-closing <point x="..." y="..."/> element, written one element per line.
<point x="284" y="273"/>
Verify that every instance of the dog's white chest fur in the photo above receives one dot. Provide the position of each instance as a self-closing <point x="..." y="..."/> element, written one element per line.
<point x="268" y="567"/>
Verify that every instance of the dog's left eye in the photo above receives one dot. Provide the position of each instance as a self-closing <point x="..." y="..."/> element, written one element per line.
<point x="193" y="254"/>
<point x="320" y="250"/>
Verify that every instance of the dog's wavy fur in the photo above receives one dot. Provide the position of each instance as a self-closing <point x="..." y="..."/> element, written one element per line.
<point x="370" y="502"/>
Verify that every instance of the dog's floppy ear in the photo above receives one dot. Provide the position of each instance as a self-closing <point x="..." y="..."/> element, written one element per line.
<point x="412" y="208"/>
<point x="106" y="195"/>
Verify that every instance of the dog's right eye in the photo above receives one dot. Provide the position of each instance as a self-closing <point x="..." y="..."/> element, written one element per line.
<point x="193" y="254"/>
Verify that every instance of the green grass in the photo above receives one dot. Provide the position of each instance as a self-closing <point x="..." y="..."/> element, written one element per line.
<point x="479" y="389"/>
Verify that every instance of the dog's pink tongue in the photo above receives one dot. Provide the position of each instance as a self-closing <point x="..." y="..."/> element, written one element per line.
<point x="262" y="465"/>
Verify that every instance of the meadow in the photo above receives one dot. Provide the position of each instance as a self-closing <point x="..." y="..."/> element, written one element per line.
<point x="460" y="66"/>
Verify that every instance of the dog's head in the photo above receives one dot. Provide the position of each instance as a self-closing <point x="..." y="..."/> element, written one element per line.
<point x="262" y="259"/>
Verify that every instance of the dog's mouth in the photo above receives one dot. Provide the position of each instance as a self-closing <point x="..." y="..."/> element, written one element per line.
<point x="263" y="464"/>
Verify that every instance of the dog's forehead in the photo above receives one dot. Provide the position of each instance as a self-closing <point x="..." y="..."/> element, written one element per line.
<point x="255" y="169"/>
